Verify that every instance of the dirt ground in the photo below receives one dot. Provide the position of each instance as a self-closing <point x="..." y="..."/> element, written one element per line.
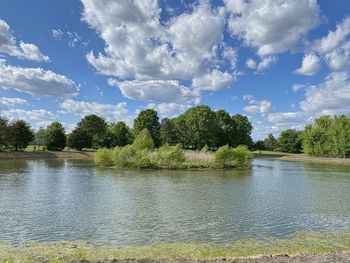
<point x="322" y="258"/>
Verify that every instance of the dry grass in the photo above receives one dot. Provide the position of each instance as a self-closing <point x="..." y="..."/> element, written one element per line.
<point x="199" y="157"/>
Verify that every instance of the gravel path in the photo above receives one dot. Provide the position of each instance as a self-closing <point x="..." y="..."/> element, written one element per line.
<point x="322" y="258"/>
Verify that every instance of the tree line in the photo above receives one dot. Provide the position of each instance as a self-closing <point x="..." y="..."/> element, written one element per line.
<point x="196" y="128"/>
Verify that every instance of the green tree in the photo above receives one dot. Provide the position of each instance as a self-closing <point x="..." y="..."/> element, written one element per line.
<point x="201" y="127"/>
<point x="4" y="134"/>
<point x="227" y="129"/>
<point x="40" y="137"/>
<point x="270" y="143"/>
<point x="148" y="119"/>
<point x="168" y="132"/>
<point x="290" y="141"/>
<point x="96" y="127"/>
<point x="21" y="134"/>
<point x="143" y="141"/>
<point x="79" y="138"/>
<point x="55" y="137"/>
<point x="242" y="132"/>
<point x="118" y="134"/>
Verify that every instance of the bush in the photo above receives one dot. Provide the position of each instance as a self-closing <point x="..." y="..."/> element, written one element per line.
<point x="242" y="156"/>
<point x="104" y="157"/>
<point x="229" y="157"/>
<point x="79" y="139"/>
<point x="143" y="141"/>
<point x="205" y="149"/>
<point x="223" y="157"/>
<point x="124" y="157"/>
<point x="142" y="160"/>
<point x="169" y="157"/>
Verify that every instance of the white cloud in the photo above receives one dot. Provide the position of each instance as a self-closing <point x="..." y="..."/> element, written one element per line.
<point x="297" y="87"/>
<point x="258" y="107"/>
<point x="112" y="113"/>
<point x="36" y="81"/>
<point x="214" y="81"/>
<point x="272" y="26"/>
<point x="138" y="46"/>
<point x="155" y="90"/>
<point x="9" y="46"/>
<point x="248" y="97"/>
<point x="310" y="65"/>
<point x="9" y="102"/>
<point x="57" y="33"/>
<point x="264" y="64"/>
<point x="168" y="110"/>
<point x="29" y="115"/>
<point x="330" y="97"/>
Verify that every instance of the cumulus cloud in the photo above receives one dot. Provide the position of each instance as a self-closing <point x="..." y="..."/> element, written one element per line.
<point x="155" y="90"/>
<point x="29" y="115"/>
<point x="36" y="81"/>
<point x="110" y="112"/>
<point x="310" y="65"/>
<point x="168" y="110"/>
<point x="214" y="81"/>
<point x="272" y="26"/>
<point x="9" y="46"/>
<point x="258" y="107"/>
<point x="264" y="64"/>
<point x="297" y="87"/>
<point x="9" y="102"/>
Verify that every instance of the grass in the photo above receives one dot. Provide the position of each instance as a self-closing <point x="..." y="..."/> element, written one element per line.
<point x="65" y="251"/>
<point x="274" y="154"/>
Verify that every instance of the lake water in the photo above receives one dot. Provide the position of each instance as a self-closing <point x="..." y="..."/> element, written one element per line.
<point x="48" y="200"/>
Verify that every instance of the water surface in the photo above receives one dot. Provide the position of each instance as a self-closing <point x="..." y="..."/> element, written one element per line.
<point x="48" y="200"/>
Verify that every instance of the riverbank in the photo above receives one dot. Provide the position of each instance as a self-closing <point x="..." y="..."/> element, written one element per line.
<point x="46" y="155"/>
<point x="310" y="159"/>
<point x="320" y="258"/>
<point x="313" y="246"/>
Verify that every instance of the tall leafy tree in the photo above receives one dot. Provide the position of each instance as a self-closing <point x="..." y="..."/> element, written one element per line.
<point x="79" y="138"/>
<point x="148" y="119"/>
<point x="243" y="130"/>
<point x="4" y="134"/>
<point x="96" y="127"/>
<point x="290" y="141"/>
<point x="201" y="127"/>
<point x="227" y="129"/>
<point x="21" y="134"/>
<point x="270" y="143"/>
<point x="55" y="137"/>
<point x="118" y="134"/>
<point x="168" y="132"/>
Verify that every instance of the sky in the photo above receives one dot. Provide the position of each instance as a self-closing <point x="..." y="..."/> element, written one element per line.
<point x="282" y="63"/>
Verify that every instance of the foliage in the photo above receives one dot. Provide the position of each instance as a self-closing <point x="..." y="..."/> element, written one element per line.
<point x="118" y="134"/>
<point x="242" y="132"/>
<point x="205" y="149"/>
<point x="5" y="137"/>
<point x="40" y="137"/>
<point x="79" y="138"/>
<point x="143" y="141"/>
<point x="169" y="157"/>
<point x="226" y="156"/>
<point x="290" y="141"/>
<point x="55" y="137"/>
<point x="168" y="132"/>
<point x="20" y="134"/>
<point x="270" y="143"/>
<point x="328" y="137"/>
<point x="258" y="146"/>
<point x="148" y="119"/>
<point x="96" y="127"/>
<point x="103" y="157"/>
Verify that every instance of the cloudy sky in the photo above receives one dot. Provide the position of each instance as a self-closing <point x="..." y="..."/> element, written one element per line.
<point x="280" y="62"/>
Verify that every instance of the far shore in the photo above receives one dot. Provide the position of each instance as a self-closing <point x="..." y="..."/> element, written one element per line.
<point x="46" y="155"/>
<point x="90" y="155"/>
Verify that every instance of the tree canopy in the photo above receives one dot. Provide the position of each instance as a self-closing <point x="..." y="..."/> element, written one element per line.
<point x="148" y="119"/>
<point x="55" y="137"/>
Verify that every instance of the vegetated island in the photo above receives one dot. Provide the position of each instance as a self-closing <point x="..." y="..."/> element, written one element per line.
<point x="300" y="247"/>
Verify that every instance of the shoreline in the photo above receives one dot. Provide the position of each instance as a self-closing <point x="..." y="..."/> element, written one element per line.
<point x="310" y="258"/>
<point x="311" y="159"/>
<point x="46" y="155"/>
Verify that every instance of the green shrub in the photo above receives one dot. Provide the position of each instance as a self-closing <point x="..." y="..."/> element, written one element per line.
<point x="124" y="157"/>
<point x="143" y="141"/>
<point x="142" y="159"/>
<point x="169" y="157"/>
<point x="242" y="156"/>
<point x="223" y="157"/>
<point x="205" y="148"/>
<point x="104" y="157"/>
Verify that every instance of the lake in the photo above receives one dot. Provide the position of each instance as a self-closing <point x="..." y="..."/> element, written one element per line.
<point x="47" y="200"/>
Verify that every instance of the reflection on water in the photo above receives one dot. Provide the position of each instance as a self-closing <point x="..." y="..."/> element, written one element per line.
<point x="71" y="199"/>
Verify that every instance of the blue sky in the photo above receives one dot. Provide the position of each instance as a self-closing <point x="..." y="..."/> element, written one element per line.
<point x="282" y="63"/>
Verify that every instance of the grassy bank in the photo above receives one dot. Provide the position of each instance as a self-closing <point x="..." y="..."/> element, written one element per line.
<point x="65" y="251"/>
<point x="311" y="159"/>
<point x="46" y="155"/>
